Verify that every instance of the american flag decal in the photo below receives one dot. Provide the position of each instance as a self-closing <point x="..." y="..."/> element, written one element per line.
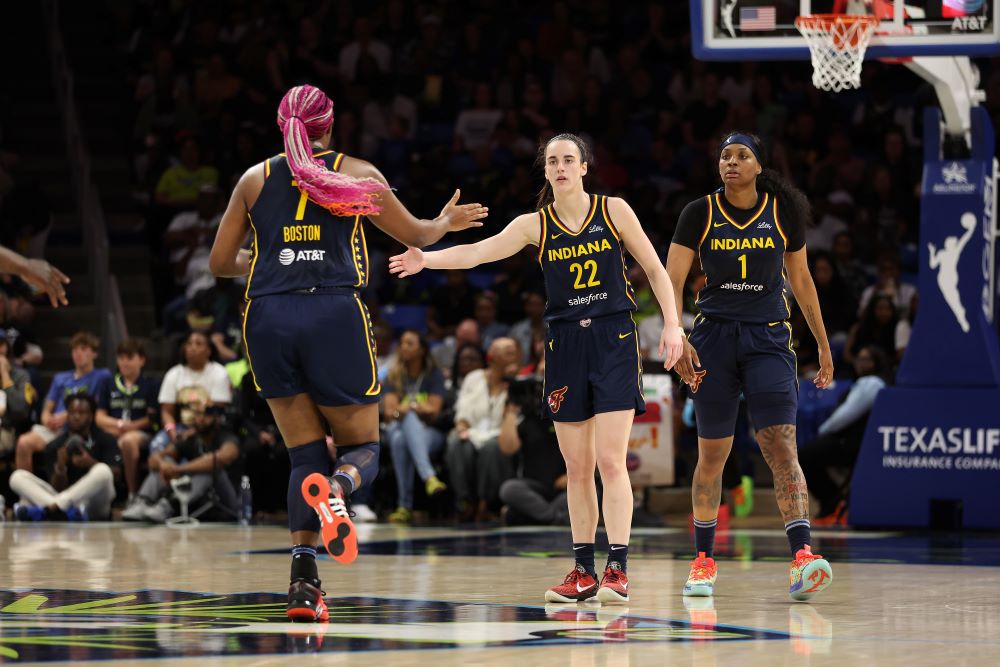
<point x="757" y="18"/>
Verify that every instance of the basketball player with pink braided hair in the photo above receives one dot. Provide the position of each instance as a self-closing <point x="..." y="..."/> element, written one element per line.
<point x="308" y="335"/>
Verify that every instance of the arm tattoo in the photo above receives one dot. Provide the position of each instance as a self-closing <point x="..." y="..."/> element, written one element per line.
<point x="777" y="444"/>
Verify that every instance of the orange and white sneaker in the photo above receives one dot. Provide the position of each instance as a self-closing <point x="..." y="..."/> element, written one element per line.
<point x="339" y="534"/>
<point x="576" y="587"/>
<point x="305" y="602"/>
<point x="614" y="585"/>
<point x="701" y="581"/>
<point x="809" y="574"/>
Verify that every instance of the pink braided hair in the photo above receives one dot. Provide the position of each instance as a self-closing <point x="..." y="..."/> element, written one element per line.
<point x="306" y="113"/>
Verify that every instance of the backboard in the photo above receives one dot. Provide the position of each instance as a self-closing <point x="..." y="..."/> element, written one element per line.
<point x="765" y="29"/>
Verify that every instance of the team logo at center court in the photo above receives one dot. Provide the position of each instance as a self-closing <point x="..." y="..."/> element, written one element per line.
<point x="696" y="382"/>
<point x="556" y="399"/>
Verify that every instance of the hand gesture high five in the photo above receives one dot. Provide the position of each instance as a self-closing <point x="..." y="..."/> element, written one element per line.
<point x="457" y="217"/>
<point x="409" y="263"/>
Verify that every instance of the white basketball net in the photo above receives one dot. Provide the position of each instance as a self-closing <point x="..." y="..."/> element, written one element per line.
<point x="837" y="44"/>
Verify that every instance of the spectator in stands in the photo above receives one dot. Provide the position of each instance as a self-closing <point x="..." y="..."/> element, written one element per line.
<point x="486" y="318"/>
<point x="78" y="482"/>
<point x="189" y="239"/>
<point x="364" y="45"/>
<point x="536" y="360"/>
<point x="202" y="450"/>
<point x="851" y="269"/>
<point x="180" y="184"/>
<point x="523" y="331"/>
<point x="16" y="397"/>
<point x="835" y="298"/>
<point x="466" y="332"/>
<point x="470" y="357"/>
<point x="840" y="436"/>
<point x="877" y="328"/>
<point x="474" y="126"/>
<point x="450" y="304"/>
<point x="538" y="494"/>
<point x="889" y="284"/>
<point x="414" y="395"/>
<point x="196" y="370"/>
<point x="475" y="465"/>
<point x="127" y="409"/>
<point x="84" y="376"/>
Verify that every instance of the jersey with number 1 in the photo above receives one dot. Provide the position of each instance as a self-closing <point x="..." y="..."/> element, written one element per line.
<point x="297" y="244"/>
<point x="584" y="271"/>
<point x="743" y="263"/>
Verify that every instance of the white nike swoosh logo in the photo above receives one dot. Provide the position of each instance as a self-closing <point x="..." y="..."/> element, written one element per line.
<point x="625" y="586"/>
<point x="580" y="590"/>
<point x="619" y="548"/>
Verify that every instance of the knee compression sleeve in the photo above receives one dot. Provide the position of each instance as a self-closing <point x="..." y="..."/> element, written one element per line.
<point x="363" y="457"/>
<point x="306" y="459"/>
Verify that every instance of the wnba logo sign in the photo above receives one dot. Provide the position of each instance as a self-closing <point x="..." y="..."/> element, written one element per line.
<point x="286" y="256"/>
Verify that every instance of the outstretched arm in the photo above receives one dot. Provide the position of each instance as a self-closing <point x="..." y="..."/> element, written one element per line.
<point x="522" y="230"/>
<point x="396" y="221"/>
<point x="935" y="257"/>
<point x="804" y="290"/>
<point x="679" y="261"/>
<point x="638" y="245"/>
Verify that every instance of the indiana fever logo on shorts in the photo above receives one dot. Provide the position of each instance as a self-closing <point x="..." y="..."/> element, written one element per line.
<point x="556" y="399"/>
<point x="696" y="382"/>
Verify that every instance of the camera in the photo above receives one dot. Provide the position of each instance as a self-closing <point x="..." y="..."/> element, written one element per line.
<point x="526" y="393"/>
<point x="75" y="445"/>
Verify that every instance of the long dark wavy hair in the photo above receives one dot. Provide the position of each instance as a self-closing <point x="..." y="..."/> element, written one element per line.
<point x="790" y="198"/>
<point x="545" y="195"/>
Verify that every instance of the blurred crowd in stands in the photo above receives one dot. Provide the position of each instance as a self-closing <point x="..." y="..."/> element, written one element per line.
<point x="442" y="95"/>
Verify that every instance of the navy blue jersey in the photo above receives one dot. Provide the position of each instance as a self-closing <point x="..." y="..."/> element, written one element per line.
<point x="299" y="245"/>
<point x="584" y="271"/>
<point x="129" y="403"/>
<point x="742" y="253"/>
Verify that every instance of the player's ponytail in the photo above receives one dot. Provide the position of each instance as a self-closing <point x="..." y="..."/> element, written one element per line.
<point x="545" y="195"/>
<point x="306" y="113"/>
<point x="791" y="200"/>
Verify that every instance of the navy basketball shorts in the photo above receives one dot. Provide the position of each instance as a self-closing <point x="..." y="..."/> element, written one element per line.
<point x="593" y="366"/>
<point x="321" y="344"/>
<point x="755" y="359"/>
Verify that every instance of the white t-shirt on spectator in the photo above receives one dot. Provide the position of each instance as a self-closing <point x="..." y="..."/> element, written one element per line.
<point x="212" y="377"/>
<point x="475" y="127"/>
<point x="351" y="54"/>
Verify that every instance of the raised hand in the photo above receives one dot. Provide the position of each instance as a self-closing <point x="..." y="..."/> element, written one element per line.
<point x="410" y="262"/>
<point x="49" y="279"/>
<point x="457" y="217"/>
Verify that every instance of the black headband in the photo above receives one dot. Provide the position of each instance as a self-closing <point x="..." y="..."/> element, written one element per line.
<point x="746" y="140"/>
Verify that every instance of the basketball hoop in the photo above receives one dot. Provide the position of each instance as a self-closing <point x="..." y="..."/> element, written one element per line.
<point x="837" y="44"/>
